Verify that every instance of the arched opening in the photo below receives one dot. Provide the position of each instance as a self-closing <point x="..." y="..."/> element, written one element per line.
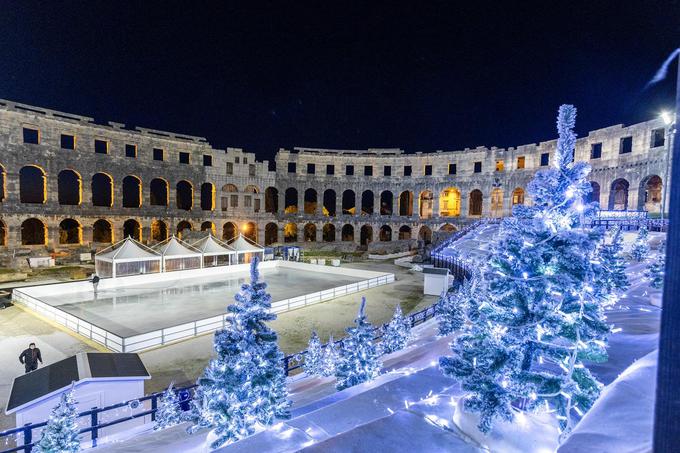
<point x="650" y="198"/>
<point x="102" y="190"/>
<point x="208" y="226"/>
<point x="271" y="233"/>
<point x="448" y="228"/>
<point x="271" y="200"/>
<point x="183" y="228"/>
<point x="425" y="234"/>
<point x="386" y="202"/>
<point x="250" y="231"/>
<point x="102" y="232"/>
<point x="594" y="195"/>
<point x="2" y="184"/>
<point x="132" y="192"/>
<point x="367" y="202"/>
<point x="32" y="185"/>
<point x="310" y="201"/>
<point x="159" y="192"/>
<point x="33" y="232"/>
<point x="3" y="234"/>
<point x="517" y="196"/>
<point x="309" y="232"/>
<point x="497" y="203"/>
<point x="231" y="199"/>
<point x="328" y="232"/>
<point x="404" y="233"/>
<point x="251" y="189"/>
<point x="329" y="208"/>
<point x="159" y="231"/>
<point x="132" y="228"/>
<point x="290" y="233"/>
<point x="347" y="233"/>
<point x="406" y="203"/>
<point x="426" y="202"/>
<point x="207" y="196"/>
<point x="618" y="197"/>
<point x="385" y="233"/>
<point x="70" y="232"/>
<point x="291" y="200"/>
<point x="366" y="235"/>
<point x="69" y="188"/>
<point x="449" y="202"/>
<point x="185" y="195"/>
<point x="475" y="203"/>
<point x="229" y="231"/>
<point x="348" y="202"/>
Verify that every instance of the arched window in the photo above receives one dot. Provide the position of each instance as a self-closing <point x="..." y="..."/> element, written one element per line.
<point x="230" y="200"/>
<point x="229" y="231"/>
<point x="404" y="233"/>
<point x="347" y="233"/>
<point x="132" y="228"/>
<point x="386" y="202"/>
<point x="250" y="231"/>
<point x="102" y="190"/>
<point x="3" y="234"/>
<point x="425" y="234"/>
<point x="159" y="192"/>
<point x="406" y="203"/>
<point x="426" y="203"/>
<point x="208" y="226"/>
<point x="367" y="203"/>
<point x="328" y="232"/>
<point x="132" y="192"/>
<point x="290" y="232"/>
<point x="33" y="232"/>
<point x="207" y="196"/>
<point x="385" y="233"/>
<point x="32" y="185"/>
<point x="594" y="195"/>
<point x="348" y="202"/>
<point x="366" y="235"/>
<point x="183" y="228"/>
<point x="650" y="199"/>
<point x="291" y="200"/>
<point x="70" y="232"/>
<point x="518" y="196"/>
<point x="496" y="203"/>
<point x="102" y="232"/>
<point x="271" y="200"/>
<point x="310" y="201"/>
<point x="449" y="202"/>
<point x="69" y="188"/>
<point x="185" y="195"/>
<point x="271" y="234"/>
<point x="329" y="200"/>
<point x="251" y="189"/>
<point x="618" y="197"/>
<point x="159" y="231"/>
<point x="447" y="228"/>
<point x="310" y="232"/>
<point x="475" y="203"/>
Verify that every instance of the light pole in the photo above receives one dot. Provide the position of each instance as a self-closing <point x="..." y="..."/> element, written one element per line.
<point x="668" y="120"/>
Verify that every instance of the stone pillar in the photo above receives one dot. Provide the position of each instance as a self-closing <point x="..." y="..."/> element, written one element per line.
<point x="416" y="204"/>
<point x="318" y="237"/>
<point x="464" y="204"/>
<point x="376" y="203"/>
<point x="280" y="202"/>
<point x="260" y="233"/>
<point x="435" y="204"/>
<point x="301" y="201"/>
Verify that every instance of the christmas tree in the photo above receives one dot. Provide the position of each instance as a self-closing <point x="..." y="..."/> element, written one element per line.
<point x="397" y="333"/>
<point x="542" y="316"/>
<point x="640" y="248"/>
<point x="244" y="387"/>
<point x="168" y="413"/>
<point x="330" y="358"/>
<point x="61" y="433"/>
<point x="613" y="277"/>
<point x="452" y="308"/>
<point x="656" y="270"/>
<point x="359" y="359"/>
<point x="314" y="356"/>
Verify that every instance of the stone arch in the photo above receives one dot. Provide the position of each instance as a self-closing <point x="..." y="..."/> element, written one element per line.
<point x="328" y="232"/>
<point x="404" y="233"/>
<point x="650" y="196"/>
<point x="271" y="233"/>
<point x="183" y="226"/>
<point x="70" y="232"/>
<point x="185" y="195"/>
<point x="232" y="190"/>
<point x="517" y="197"/>
<point x="347" y="233"/>
<point x="69" y="188"/>
<point x="291" y="200"/>
<point x="250" y="231"/>
<point x="132" y="192"/>
<point x="476" y="200"/>
<point x="366" y="235"/>
<point x="349" y="202"/>
<point x="386" y="202"/>
<point x="3" y="183"/>
<point x="33" y="232"/>
<point x="229" y="188"/>
<point x="449" y="202"/>
<point x="425" y="234"/>
<point x="251" y="189"/>
<point x="207" y="196"/>
<point x="310" y="201"/>
<point x="101" y="188"/>
<point x="448" y="228"/>
<point x="208" y="226"/>
<point x="618" y="196"/>
<point x="159" y="231"/>
<point x="132" y="228"/>
<point x="367" y="198"/>
<point x="425" y="204"/>
<point x="271" y="200"/>
<point x="290" y="233"/>
<point x="158" y="191"/>
<point x="229" y="231"/>
<point x="3" y="234"/>
<point x="497" y="202"/>
<point x="406" y="203"/>
<point x="102" y="232"/>
<point x="329" y="200"/>
<point x="385" y="233"/>
<point x="309" y="232"/>
<point x="32" y="184"/>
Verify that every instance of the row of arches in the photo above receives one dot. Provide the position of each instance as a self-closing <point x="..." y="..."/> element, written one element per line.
<point x="649" y="195"/>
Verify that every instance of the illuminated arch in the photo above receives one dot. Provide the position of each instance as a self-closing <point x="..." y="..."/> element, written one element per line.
<point x="132" y="228"/>
<point x="229" y="231"/>
<point x="449" y="202"/>
<point x="159" y="189"/>
<point x="182" y="227"/>
<point x="185" y="195"/>
<point x="328" y="232"/>
<point x="32" y="185"/>
<point x="271" y="233"/>
<point x="69" y="187"/>
<point x="309" y="232"/>
<point x="70" y="232"/>
<point x="101" y="189"/>
<point x="33" y="232"/>
<point x="102" y="232"/>
<point x="132" y="192"/>
<point x="290" y="233"/>
<point x="159" y="231"/>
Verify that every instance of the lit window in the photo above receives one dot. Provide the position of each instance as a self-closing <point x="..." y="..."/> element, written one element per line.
<point x="500" y="165"/>
<point x="521" y="160"/>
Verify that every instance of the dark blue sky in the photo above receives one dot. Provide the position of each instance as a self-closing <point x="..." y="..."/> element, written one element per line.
<point x="342" y="75"/>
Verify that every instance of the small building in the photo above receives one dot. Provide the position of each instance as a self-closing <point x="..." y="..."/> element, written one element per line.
<point x="436" y="281"/>
<point x="246" y="249"/>
<point x="215" y="252"/>
<point x="101" y="379"/>
<point x="127" y="257"/>
<point x="178" y="256"/>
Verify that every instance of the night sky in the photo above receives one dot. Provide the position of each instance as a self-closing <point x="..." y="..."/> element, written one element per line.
<point x="341" y="75"/>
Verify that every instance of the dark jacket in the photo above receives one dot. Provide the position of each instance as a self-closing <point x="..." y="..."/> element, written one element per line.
<point x="30" y="356"/>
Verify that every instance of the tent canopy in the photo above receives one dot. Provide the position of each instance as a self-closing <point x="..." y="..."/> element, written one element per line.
<point x="211" y="246"/>
<point x="127" y="250"/>
<point x="175" y="248"/>
<point x="244" y="245"/>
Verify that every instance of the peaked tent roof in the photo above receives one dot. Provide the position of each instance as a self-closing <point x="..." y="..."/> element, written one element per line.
<point x="129" y="249"/>
<point x="242" y="245"/>
<point x="210" y="245"/>
<point x="175" y="247"/>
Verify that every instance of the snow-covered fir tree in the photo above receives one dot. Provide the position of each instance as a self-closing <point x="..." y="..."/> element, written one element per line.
<point x="61" y="433"/>
<point x="640" y="248"/>
<point x="613" y="278"/>
<point x="656" y="270"/>
<point x="397" y="333"/>
<point x="330" y="358"/>
<point x="244" y="387"/>
<point x="314" y="356"/>
<point x="169" y="413"/>
<point x="359" y="359"/>
<point x="543" y="317"/>
<point x="452" y="308"/>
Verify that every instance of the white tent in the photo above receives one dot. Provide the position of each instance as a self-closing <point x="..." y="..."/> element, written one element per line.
<point x="246" y="249"/>
<point x="215" y="252"/>
<point x="178" y="256"/>
<point x="127" y="257"/>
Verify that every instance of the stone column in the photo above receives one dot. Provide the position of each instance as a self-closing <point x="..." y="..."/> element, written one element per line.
<point x="280" y="202"/>
<point x="435" y="204"/>
<point x="416" y="198"/>
<point x="376" y="203"/>
<point x="464" y="204"/>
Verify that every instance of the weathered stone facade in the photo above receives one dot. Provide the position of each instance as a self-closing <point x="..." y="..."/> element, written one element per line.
<point x="345" y="198"/>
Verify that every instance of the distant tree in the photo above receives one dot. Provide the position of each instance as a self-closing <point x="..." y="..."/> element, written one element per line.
<point x="453" y="307"/>
<point x="330" y="358"/>
<point x="397" y="333"/>
<point x="169" y="413"/>
<point x="613" y="277"/>
<point x="640" y="248"/>
<point x="314" y="356"/>
<point x="61" y="433"/>
<point x="656" y="270"/>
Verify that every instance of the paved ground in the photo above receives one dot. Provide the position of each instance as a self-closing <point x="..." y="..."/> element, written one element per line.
<point x="183" y="362"/>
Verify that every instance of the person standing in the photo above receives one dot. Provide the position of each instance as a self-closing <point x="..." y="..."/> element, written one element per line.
<point x="30" y="357"/>
<point x="95" y="283"/>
